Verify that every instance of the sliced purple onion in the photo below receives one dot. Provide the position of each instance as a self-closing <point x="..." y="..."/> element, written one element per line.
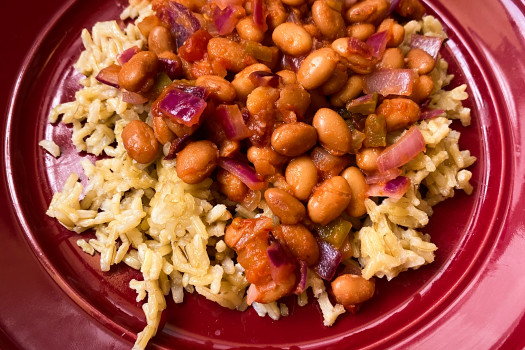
<point x="181" y="106"/>
<point x="403" y="151"/>
<point x="303" y="274"/>
<point x="390" y="82"/>
<point x="258" y="13"/>
<point x="383" y="177"/>
<point x="356" y="46"/>
<point x="431" y="113"/>
<point x="363" y="105"/>
<point x="262" y="78"/>
<point x="393" y="5"/>
<point x="133" y="97"/>
<point x="197" y="91"/>
<point x="378" y="42"/>
<point x="225" y="20"/>
<point x="281" y="263"/>
<point x="244" y="172"/>
<point x="232" y="122"/>
<point x="181" y="20"/>
<point x="395" y="188"/>
<point x="109" y="76"/>
<point x="172" y="68"/>
<point x="329" y="259"/>
<point x="429" y="44"/>
<point x="126" y="55"/>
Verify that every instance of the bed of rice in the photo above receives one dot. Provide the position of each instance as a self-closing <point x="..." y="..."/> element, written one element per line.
<point x="147" y="218"/>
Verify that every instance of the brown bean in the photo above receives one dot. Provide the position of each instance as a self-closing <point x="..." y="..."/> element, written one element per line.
<point x="160" y="40"/>
<point x="301" y="174"/>
<point x="231" y="186"/>
<point x="293" y="98"/>
<point x="288" y="76"/>
<point x="247" y="30"/>
<point x="328" y="21"/>
<point x="295" y="3"/>
<point x="140" y="142"/>
<point x="138" y="74"/>
<point x="368" y="11"/>
<point x="392" y="59"/>
<point x="395" y="32"/>
<point x="162" y="132"/>
<point x="361" y="31"/>
<point x="332" y="132"/>
<point x="265" y="160"/>
<point x="327" y="164"/>
<point x="229" y="53"/>
<point x="351" y="289"/>
<point x="261" y="99"/>
<point x="366" y="158"/>
<point x="422" y="89"/>
<point x="317" y="68"/>
<point x="399" y="113"/>
<point x="276" y="13"/>
<point x="352" y="89"/>
<point x="292" y="39"/>
<point x="293" y="139"/>
<point x="412" y="9"/>
<point x="219" y="88"/>
<point x="285" y="206"/>
<point x="337" y="81"/>
<point x="329" y="200"/>
<point x="357" y="62"/>
<point x="242" y="83"/>
<point x="147" y="24"/>
<point x="300" y="241"/>
<point x="420" y="61"/>
<point x="358" y="187"/>
<point x="196" y="161"/>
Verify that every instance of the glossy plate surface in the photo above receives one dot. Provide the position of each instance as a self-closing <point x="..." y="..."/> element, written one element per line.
<point x="53" y="295"/>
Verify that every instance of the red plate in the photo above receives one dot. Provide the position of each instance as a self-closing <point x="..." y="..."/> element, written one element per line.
<point x="53" y="295"/>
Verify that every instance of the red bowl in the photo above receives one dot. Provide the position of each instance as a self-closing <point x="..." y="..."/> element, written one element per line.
<point x="470" y="296"/>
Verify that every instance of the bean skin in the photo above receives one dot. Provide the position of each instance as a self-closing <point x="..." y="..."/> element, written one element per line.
<point x="301" y="174"/>
<point x="300" y="241"/>
<point x="358" y="186"/>
<point x="289" y="210"/>
<point x="351" y="289"/>
<point x="196" y="161"/>
<point x="138" y="74"/>
<point x="329" y="200"/>
<point x="231" y="186"/>
<point x="293" y="139"/>
<point x="333" y="133"/>
<point x="317" y="68"/>
<point x="140" y="142"/>
<point x="292" y="39"/>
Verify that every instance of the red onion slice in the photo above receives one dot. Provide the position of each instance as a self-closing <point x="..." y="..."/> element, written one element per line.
<point x="126" y="55"/>
<point x="403" y="151"/>
<point x="133" y="98"/>
<point x="382" y="177"/>
<point x="429" y="44"/>
<point x="431" y="113"/>
<point x="222" y="4"/>
<point x="177" y="145"/>
<point x="181" y="20"/>
<point x="303" y="274"/>
<point x="281" y="264"/>
<point x="378" y="42"/>
<point x="226" y="19"/>
<point x="181" y="106"/>
<point x="109" y="75"/>
<point x="393" y="5"/>
<point x="244" y="172"/>
<point x="258" y="13"/>
<point x="232" y="122"/>
<point x="395" y="188"/>
<point x="329" y="259"/>
<point x="390" y="82"/>
<point x="172" y="68"/>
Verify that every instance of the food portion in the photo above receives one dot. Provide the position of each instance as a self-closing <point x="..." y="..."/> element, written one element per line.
<point x="251" y="150"/>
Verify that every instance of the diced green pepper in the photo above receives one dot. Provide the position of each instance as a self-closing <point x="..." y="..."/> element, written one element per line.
<point x="335" y="232"/>
<point x="363" y="105"/>
<point x="260" y="52"/>
<point x="375" y="130"/>
<point x="161" y="82"/>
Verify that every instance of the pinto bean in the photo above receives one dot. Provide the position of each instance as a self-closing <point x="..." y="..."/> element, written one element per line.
<point x="287" y="76"/>
<point x="162" y="132"/>
<point x="276" y="13"/>
<point x="138" y="74"/>
<point x="422" y="89"/>
<point x="358" y="187"/>
<point x="366" y="158"/>
<point x="392" y="59"/>
<point x="248" y="30"/>
<point x="160" y="40"/>
<point x="293" y="98"/>
<point x="333" y="133"/>
<point x="140" y="142"/>
<point x="300" y="241"/>
<point x="293" y="139"/>
<point x="368" y="11"/>
<point x="292" y="39"/>
<point x="361" y="31"/>
<point x="317" y="68"/>
<point x="420" y="61"/>
<point x="351" y="289"/>
<point x="301" y="174"/>
<point x="265" y="160"/>
<point x="219" y="88"/>
<point x="197" y="161"/>
<point x="352" y="89"/>
<point x="287" y="208"/>
<point x="337" y="81"/>
<point x="328" y="21"/>
<point x="261" y="98"/>
<point x="399" y="113"/>
<point x="229" y="53"/>
<point x="147" y="24"/>
<point x="231" y="186"/>
<point x="329" y="200"/>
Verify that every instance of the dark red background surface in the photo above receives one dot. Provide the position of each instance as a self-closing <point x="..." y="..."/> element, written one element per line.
<point x="470" y="297"/>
